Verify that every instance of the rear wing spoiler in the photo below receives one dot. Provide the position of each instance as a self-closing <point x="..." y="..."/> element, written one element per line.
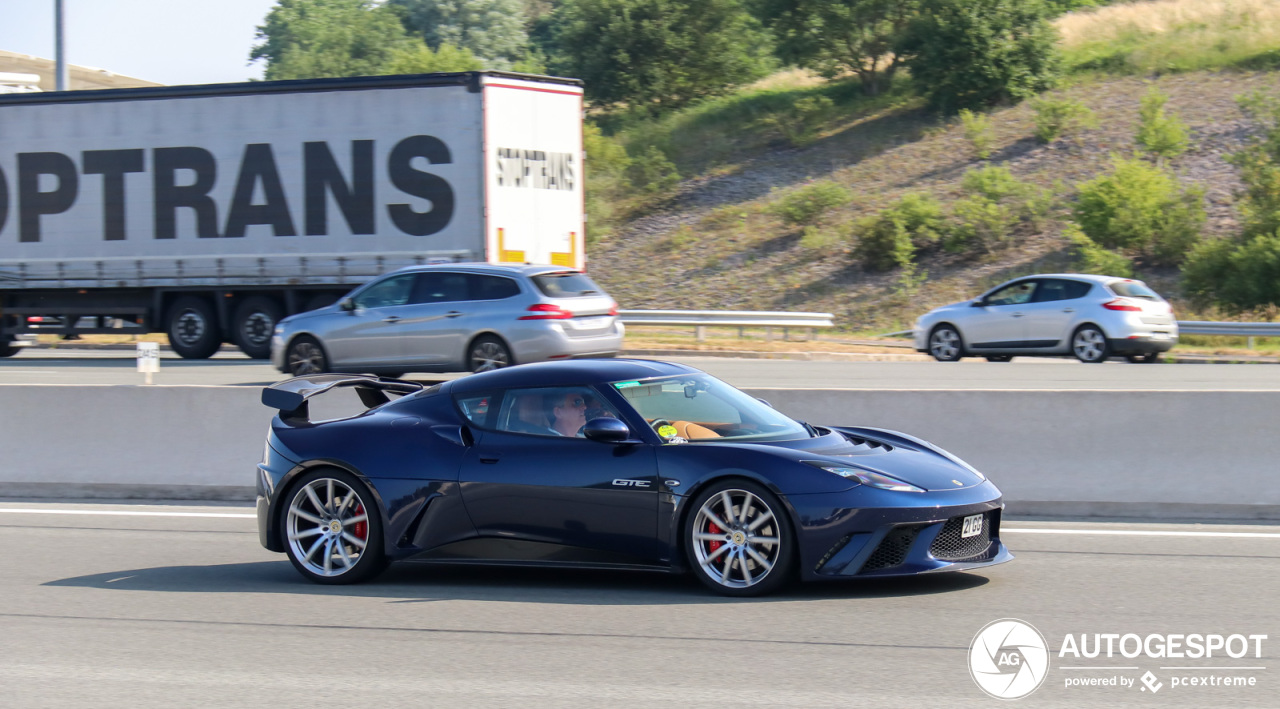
<point x="291" y="395"/>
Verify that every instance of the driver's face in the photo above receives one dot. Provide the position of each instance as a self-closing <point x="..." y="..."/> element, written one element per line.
<point x="573" y="407"/>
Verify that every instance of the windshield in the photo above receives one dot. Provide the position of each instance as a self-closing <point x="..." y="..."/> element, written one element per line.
<point x="702" y="408"/>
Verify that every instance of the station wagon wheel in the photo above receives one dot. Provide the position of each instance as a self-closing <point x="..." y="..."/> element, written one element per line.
<point x="332" y="530"/>
<point x="488" y="353"/>
<point x="945" y="344"/>
<point x="1090" y="345"/>
<point x="305" y="356"/>
<point x="737" y="540"/>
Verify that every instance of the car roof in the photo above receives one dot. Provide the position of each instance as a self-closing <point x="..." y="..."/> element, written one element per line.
<point x="1076" y="276"/>
<point x="567" y="373"/>
<point x="508" y="269"/>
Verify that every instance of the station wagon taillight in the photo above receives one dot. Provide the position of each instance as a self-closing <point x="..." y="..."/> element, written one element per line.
<point x="546" y="311"/>
<point x="1119" y="304"/>
<point x="613" y="309"/>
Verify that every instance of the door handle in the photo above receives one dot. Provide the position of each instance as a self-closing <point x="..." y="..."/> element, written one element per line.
<point x="391" y="318"/>
<point x="1068" y="310"/>
<point x="1017" y="315"/>
<point x="452" y="314"/>
<point x="490" y="459"/>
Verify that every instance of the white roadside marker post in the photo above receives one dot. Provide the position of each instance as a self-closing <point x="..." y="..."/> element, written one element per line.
<point x="148" y="358"/>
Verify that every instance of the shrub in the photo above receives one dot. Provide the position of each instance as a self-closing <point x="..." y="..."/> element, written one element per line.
<point x="994" y="182"/>
<point x="1160" y="134"/>
<point x="803" y="206"/>
<point x="1259" y="164"/>
<point x="979" y="223"/>
<point x="890" y="239"/>
<point x="1088" y="257"/>
<point x="799" y="123"/>
<point x="607" y="182"/>
<point x="974" y="53"/>
<point x="1140" y="208"/>
<point x="652" y="172"/>
<point x="815" y="238"/>
<point x="978" y="131"/>
<point x="1058" y="117"/>
<point x="1236" y="276"/>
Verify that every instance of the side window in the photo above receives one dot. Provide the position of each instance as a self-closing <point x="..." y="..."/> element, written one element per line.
<point x="551" y="411"/>
<point x="1077" y="289"/>
<point x="492" y="287"/>
<point x="441" y="287"/>
<point x="1051" y="289"/>
<point x="476" y="408"/>
<point x="395" y="290"/>
<point x="1013" y="294"/>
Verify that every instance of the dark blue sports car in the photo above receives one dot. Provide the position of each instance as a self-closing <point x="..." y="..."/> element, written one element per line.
<point x="609" y="463"/>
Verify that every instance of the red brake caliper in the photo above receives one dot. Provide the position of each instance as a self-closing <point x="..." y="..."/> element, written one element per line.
<point x="713" y="529"/>
<point x="361" y="528"/>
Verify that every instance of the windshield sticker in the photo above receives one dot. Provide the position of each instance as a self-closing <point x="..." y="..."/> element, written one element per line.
<point x="624" y="385"/>
<point x="667" y="431"/>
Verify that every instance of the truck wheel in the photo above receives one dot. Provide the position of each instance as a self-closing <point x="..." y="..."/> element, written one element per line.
<point x="255" y="320"/>
<point x="7" y="349"/>
<point x="193" y="328"/>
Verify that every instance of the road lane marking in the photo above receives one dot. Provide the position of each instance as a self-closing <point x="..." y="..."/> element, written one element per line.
<point x="1142" y="533"/>
<point x="124" y="513"/>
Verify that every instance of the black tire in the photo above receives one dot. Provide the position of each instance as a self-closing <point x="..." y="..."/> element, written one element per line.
<point x="305" y="355"/>
<point x="945" y="344"/>
<point x="7" y="349"/>
<point x="255" y="320"/>
<point x="193" y="328"/>
<point x="486" y="353"/>
<point x="1089" y="344"/>
<point x="721" y="579"/>
<point x="999" y="358"/>
<point x="1148" y="358"/>
<point x="336" y="537"/>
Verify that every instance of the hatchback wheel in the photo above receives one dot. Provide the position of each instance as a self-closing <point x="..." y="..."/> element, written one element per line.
<point x="945" y="344"/>
<point x="332" y="530"/>
<point x="737" y="541"/>
<point x="1090" y="345"/>
<point x="488" y="353"/>
<point x="1149" y="358"/>
<point x="999" y="358"/>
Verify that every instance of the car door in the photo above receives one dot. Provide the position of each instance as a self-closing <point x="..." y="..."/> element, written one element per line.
<point x="1049" y="316"/>
<point x="370" y="333"/>
<point x="521" y="481"/>
<point x="438" y="320"/>
<point x="998" y="322"/>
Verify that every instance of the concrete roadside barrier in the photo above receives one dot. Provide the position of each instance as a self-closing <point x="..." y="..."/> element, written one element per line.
<point x="1153" y="454"/>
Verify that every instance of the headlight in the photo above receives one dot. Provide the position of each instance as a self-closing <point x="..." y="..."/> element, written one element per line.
<point x="872" y="479"/>
<point x="279" y="330"/>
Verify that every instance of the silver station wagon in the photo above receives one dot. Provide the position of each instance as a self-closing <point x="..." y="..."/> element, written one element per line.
<point x="1091" y="317"/>
<point x="453" y="317"/>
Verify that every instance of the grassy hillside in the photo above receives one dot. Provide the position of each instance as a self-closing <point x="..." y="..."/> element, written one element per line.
<point x="721" y="237"/>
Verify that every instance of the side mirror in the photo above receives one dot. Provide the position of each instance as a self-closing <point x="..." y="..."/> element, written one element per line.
<point x="606" y="430"/>
<point x="764" y="401"/>
<point x="348" y="305"/>
<point x="979" y="303"/>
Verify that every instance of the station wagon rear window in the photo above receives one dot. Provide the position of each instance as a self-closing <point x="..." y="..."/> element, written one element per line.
<point x="566" y="284"/>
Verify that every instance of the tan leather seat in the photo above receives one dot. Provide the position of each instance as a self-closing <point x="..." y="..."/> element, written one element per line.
<point x="690" y="430"/>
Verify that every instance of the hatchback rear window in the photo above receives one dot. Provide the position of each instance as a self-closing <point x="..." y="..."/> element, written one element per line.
<point x="566" y="284"/>
<point x="1132" y="289"/>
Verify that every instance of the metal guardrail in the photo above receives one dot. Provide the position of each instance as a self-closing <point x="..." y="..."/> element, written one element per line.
<point x="1234" y="329"/>
<point x="701" y="319"/>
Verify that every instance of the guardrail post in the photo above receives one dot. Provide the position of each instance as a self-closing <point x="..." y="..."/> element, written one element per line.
<point x="1250" y="342"/>
<point x="701" y="331"/>
<point x="768" y="334"/>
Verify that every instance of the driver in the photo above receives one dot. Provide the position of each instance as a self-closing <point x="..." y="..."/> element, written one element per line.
<point x="568" y="413"/>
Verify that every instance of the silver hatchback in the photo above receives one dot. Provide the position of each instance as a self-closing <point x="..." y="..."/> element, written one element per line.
<point x="454" y="317"/>
<point x="1090" y="317"/>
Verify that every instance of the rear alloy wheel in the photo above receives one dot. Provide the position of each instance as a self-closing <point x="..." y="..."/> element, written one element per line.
<point x="1149" y="358"/>
<point x="305" y="356"/>
<point x="1089" y="345"/>
<point x="256" y="320"/>
<point x="332" y="529"/>
<point x="193" y="328"/>
<point x="999" y="358"/>
<point x="488" y="353"/>
<point x="945" y="344"/>
<point x="736" y="540"/>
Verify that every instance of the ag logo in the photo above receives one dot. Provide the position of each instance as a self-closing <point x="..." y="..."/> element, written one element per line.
<point x="1008" y="659"/>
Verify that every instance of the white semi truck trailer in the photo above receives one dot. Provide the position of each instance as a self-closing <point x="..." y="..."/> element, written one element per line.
<point x="210" y="212"/>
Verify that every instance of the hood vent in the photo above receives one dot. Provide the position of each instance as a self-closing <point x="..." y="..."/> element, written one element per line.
<point x="868" y="445"/>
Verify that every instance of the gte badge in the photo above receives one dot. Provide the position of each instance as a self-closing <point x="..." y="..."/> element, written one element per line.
<point x="631" y="483"/>
<point x="1008" y="658"/>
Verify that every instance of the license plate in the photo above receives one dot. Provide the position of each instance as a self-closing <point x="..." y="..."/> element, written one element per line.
<point x="972" y="526"/>
<point x="594" y="323"/>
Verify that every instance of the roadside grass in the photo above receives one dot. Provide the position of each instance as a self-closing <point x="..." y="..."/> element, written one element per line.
<point x="1172" y="36"/>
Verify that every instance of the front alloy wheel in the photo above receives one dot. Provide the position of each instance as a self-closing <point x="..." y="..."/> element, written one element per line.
<point x="305" y="356"/>
<point x="945" y="345"/>
<point x="738" y="544"/>
<point x="332" y="529"/>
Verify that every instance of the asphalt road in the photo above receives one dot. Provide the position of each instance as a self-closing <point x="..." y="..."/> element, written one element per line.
<point x="64" y="366"/>
<point x="110" y="610"/>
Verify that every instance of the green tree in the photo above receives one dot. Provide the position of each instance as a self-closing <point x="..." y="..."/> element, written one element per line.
<point x="321" y="38"/>
<point x="1259" y="164"/>
<point x="1160" y="134"/>
<point x="975" y="53"/>
<point x="1237" y="276"/>
<point x="419" y="59"/>
<point x="835" y="37"/>
<point x="656" y="55"/>
<point x="493" y="30"/>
